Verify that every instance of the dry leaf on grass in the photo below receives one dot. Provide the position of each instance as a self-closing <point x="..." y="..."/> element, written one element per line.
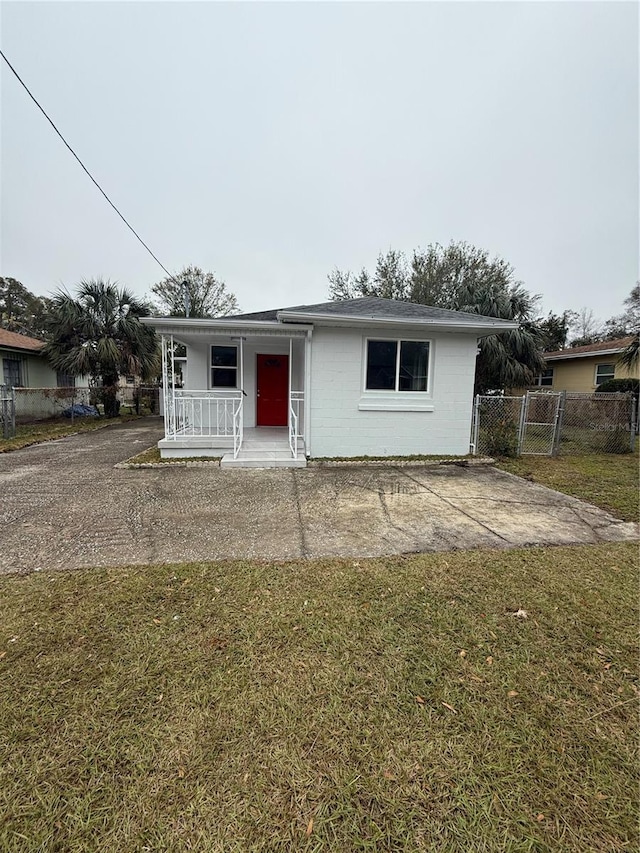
<point x="512" y="693"/>
<point x="310" y="827"/>
<point x="490" y="660"/>
<point x="419" y="700"/>
<point x="450" y="707"/>
<point x="181" y="772"/>
<point x="462" y="653"/>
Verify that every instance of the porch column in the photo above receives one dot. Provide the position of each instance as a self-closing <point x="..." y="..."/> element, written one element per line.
<point x="307" y="392"/>
<point x="290" y="386"/>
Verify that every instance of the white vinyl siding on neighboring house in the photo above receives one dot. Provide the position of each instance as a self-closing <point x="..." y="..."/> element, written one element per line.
<point x="65" y="380"/>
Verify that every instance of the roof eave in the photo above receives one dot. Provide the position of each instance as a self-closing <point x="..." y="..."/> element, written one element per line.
<point x="567" y="354"/>
<point x="486" y="328"/>
<point x="218" y="324"/>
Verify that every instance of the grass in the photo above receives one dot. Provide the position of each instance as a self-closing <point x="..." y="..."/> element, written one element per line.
<point x="609" y="481"/>
<point x="27" y="434"/>
<point x="152" y="455"/>
<point x="337" y="705"/>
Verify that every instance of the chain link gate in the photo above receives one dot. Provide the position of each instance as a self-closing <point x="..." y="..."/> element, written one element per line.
<point x="540" y="419"/>
<point x="545" y="423"/>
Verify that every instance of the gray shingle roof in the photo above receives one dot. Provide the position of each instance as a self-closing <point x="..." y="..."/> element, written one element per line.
<point x="368" y="307"/>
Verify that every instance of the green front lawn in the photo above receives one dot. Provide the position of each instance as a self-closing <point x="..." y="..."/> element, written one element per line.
<point x="609" y="481"/>
<point x="335" y="705"/>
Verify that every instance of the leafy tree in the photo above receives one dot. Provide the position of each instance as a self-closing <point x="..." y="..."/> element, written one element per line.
<point x="627" y="323"/>
<point x="20" y="310"/>
<point x="461" y="277"/>
<point x="207" y="296"/>
<point x="98" y="333"/>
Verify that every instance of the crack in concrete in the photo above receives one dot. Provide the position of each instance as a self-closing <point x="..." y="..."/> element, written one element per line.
<point x="387" y="517"/>
<point x="453" y="506"/>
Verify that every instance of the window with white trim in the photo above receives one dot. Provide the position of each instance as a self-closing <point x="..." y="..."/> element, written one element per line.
<point x="604" y="372"/>
<point x="224" y="367"/>
<point x="396" y="365"/>
<point x="12" y="372"/>
<point x="545" y="378"/>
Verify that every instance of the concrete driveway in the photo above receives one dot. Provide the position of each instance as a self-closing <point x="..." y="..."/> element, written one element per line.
<point x="64" y="505"/>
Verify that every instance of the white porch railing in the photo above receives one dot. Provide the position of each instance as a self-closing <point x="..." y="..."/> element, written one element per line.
<point x="211" y="414"/>
<point x="296" y="403"/>
<point x="238" y="428"/>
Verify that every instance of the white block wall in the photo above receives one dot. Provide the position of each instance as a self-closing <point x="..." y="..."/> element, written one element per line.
<point x="339" y="427"/>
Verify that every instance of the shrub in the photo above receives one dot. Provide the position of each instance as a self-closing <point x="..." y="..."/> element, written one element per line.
<point x="623" y="386"/>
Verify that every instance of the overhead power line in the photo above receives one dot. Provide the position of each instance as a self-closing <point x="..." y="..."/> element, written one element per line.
<point x="42" y="110"/>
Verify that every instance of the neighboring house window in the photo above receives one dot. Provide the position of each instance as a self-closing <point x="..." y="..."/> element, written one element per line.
<point x="224" y="367"/>
<point x="129" y="380"/>
<point x="65" y="380"/>
<point x="12" y="372"/>
<point x="397" y="365"/>
<point x="545" y="378"/>
<point x="604" y="372"/>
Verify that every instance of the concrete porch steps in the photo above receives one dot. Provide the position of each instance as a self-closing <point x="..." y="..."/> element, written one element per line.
<point x="263" y="459"/>
<point x="265" y="447"/>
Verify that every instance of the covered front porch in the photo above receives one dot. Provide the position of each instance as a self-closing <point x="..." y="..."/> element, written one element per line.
<point x="237" y="393"/>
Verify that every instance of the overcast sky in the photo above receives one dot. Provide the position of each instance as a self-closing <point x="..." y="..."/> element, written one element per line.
<point x="270" y="142"/>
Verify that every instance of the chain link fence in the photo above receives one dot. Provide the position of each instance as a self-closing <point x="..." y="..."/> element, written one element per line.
<point x="30" y="405"/>
<point x="551" y="423"/>
<point x="598" y="423"/>
<point x="7" y="412"/>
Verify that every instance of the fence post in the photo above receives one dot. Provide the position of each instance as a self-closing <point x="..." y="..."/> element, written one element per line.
<point x="523" y="410"/>
<point x="558" y="424"/>
<point x="475" y="428"/>
<point x="633" y="426"/>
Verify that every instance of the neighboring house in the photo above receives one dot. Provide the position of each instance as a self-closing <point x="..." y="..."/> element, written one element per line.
<point x="23" y="365"/>
<point x="367" y="376"/>
<point x="584" y="368"/>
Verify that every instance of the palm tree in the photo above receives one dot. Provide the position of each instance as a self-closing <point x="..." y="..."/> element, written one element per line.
<point x="631" y="353"/>
<point x="98" y="333"/>
<point x="511" y="359"/>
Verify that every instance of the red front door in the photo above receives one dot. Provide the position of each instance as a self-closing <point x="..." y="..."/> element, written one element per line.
<point x="273" y="390"/>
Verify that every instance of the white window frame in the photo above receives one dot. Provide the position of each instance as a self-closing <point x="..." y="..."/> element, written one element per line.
<point x="609" y="376"/>
<point x="220" y="367"/>
<point x="540" y="376"/>
<point x="396" y="391"/>
<point x="13" y="359"/>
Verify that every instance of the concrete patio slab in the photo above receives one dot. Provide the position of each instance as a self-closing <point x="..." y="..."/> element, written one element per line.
<point x="63" y="504"/>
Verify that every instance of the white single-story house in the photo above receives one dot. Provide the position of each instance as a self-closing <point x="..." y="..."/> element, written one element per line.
<point x="370" y="376"/>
